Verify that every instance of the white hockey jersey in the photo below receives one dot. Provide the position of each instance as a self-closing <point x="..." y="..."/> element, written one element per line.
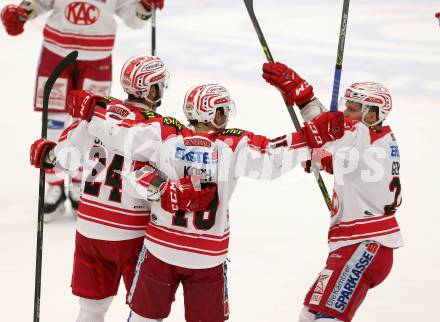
<point x="197" y="239"/>
<point x="109" y="208"/>
<point x="88" y="26"/>
<point x="367" y="190"/>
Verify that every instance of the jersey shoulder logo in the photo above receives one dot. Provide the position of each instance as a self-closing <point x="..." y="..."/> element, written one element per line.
<point x="81" y="13"/>
<point x="231" y="132"/>
<point x="149" y="114"/>
<point x="171" y="121"/>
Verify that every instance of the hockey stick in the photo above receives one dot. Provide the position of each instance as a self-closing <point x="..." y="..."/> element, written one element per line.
<point x="250" y="8"/>
<point x="339" y="57"/>
<point x="69" y="59"/>
<point x="153" y="30"/>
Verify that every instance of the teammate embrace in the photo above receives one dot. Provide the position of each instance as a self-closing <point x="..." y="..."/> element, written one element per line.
<point x="153" y="195"/>
<point x="134" y="159"/>
<point x="187" y="174"/>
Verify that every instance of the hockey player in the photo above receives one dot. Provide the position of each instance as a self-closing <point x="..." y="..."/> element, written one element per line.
<point x="190" y="247"/>
<point x="111" y="217"/>
<point x="89" y="27"/>
<point x="365" y="164"/>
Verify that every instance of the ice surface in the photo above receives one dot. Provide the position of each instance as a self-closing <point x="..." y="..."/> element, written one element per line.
<point x="279" y="228"/>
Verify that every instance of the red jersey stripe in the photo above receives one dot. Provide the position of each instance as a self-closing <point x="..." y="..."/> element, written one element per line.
<point x="71" y="40"/>
<point x="71" y="34"/>
<point x="362" y="221"/>
<point x="360" y="229"/>
<point x="365" y="236"/>
<point x="183" y="248"/>
<point x="66" y="131"/>
<point x="77" y="46"/>
<point x="119" y="218"/>
<point x="191" y="234"/>
<point x="110" y="224"/>
<point x="186" y="241"/>
<point x="117" y="209"/>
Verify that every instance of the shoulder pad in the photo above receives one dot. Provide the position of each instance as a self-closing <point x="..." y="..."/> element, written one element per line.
<point x="109" y="99"/>
<point x="233" y="137"/>
<point x="232" y="132"/>
<point x="147" y="114"/>
<point x="171" y="121"/>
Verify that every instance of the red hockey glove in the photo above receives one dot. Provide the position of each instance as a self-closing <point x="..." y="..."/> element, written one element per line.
<point x="148" y="3"/>
<point x="328" y="126"/>
<point x="290" y="84"/>
<point x="39" y="150"/>
<point x="180" y="194"/>
<point x="81" y="103"/>
<point x="13" y="18"/>
<point x="322" y="158"/>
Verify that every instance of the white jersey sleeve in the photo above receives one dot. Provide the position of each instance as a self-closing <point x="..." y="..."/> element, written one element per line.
<point x="41" y="6"/>
<point x="126" y="10"/>
<point x="71" y="146"/>
<point x="262" y="158"/>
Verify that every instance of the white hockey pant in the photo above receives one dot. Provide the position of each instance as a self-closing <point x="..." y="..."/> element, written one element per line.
<point x="93" y="310"/>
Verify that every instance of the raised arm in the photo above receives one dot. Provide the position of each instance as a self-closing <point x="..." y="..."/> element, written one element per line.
<point x="296" y="90"/>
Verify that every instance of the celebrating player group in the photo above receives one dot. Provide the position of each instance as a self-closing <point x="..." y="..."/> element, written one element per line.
<point x="152" y="193"/>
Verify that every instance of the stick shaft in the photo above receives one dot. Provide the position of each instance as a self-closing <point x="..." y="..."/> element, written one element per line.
<point x="153" y="31"/>
<point x="69" y="59"/>
<point x="339" y="56"/>
<point x="269" y="57"/>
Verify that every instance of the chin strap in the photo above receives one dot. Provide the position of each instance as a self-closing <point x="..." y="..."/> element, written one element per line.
<point x="154" y="103"/>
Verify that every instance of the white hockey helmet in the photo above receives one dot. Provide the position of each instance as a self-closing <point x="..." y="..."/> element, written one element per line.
<point x="201" y="104"/>
<point x="140" y="73"/>
<point x="369" y="95"/>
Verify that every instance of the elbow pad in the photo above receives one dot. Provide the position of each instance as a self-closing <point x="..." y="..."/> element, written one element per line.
<point x="312" y="109"/>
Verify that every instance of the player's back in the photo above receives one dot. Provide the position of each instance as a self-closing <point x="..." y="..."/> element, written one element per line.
<point x="191" y="239"/>
<point x="367" y="188"/>
<point x="108" y="208"/>
<point x="197" y="239"/>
